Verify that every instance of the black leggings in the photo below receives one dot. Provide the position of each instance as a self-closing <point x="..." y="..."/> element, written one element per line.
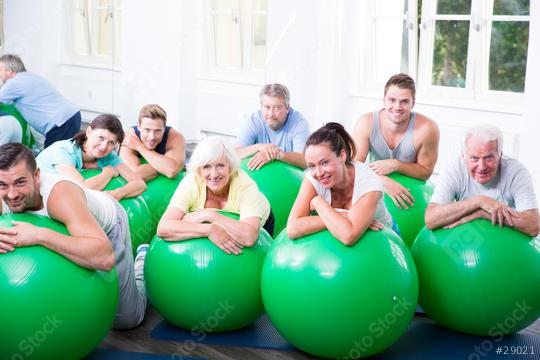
<point x="269" y="224"/>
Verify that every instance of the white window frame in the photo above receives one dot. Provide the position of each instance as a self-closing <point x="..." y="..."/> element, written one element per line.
<point x="475" y="94"/>
<point x="244" y="29"/>
<point x="365" y="55"/>
<point x="93" y="59"/>
<point x="2" y="39"/>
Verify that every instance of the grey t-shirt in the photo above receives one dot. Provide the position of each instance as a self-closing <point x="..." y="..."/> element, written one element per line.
<point x="512" y="185"/>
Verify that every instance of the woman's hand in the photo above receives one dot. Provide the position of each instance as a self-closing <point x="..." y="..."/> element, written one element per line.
<point x="376" y="226"/>
<point x="222" y="240"/>
<point x="200" y="216"/>
<point x="110" y="171"/>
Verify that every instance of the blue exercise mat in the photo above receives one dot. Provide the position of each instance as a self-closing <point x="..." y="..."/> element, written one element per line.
<point x="262" y="334"/>
<point x="104" y="354"/>
<point x="425" y="340"/>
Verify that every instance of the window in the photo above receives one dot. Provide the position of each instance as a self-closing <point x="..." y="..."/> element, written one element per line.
<point x="96" y="30"/>
<point x="477" y="48"/>
<point x="392" y="40"/>
<point x="238" y="34"/>
<point x="469" y="49"/>
<point x="1" y="24"/>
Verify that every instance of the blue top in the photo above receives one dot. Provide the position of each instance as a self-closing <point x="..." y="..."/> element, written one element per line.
<point x="291" y="137"/>
<point x="162" y="146"/>
<point x="38" y="102"/>
<point x="66" y="152"/>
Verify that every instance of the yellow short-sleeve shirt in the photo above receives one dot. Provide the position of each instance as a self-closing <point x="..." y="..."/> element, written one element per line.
<point x="245" y="199"/>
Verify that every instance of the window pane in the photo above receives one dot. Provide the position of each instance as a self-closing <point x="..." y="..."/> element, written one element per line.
<point x="260" y="5"/>
<point x="227" y="41"/>
<point x="454" y="7"/>
<point x="508" y="55"/>
<point x="1" y="24"/>
<point x="450" y="54"/>
<point x="103" y="30"/>
<point x="258" y="49"/>
<point x="511" y="7"/>
<point x="224" y="5"/>
<point x="391" y="48"/>
<point x="79" y="28"/>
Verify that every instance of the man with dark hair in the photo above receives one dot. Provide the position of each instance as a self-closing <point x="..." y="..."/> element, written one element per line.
<point x="48" y="112"/>
<point x="398" y="139"/>
<point x="160" y="145"/>
<point x="275" y="132"/>
<point x="95" y="221"/>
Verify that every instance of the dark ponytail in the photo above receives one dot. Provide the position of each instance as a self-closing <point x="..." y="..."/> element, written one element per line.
<point x="336" y="137"/>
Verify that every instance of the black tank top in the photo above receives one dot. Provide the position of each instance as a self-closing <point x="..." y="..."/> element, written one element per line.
<point x="161" y="148"/>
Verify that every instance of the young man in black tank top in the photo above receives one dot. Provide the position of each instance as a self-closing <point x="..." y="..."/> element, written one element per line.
<point x="403" y="141"/>
<point x="160" y="145"/>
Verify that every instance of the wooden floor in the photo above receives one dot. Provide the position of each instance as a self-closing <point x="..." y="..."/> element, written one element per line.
<point x="139" y="340"/>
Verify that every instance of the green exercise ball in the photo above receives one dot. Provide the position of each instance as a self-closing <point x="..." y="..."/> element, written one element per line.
<point x="158" y="194"/>
<point x="195" y="285"/>
<point x="53" y="308"/>
<point x="279" y="182"/>
<point x="27" y="137"/>
<point x="141" y="227"/>
<point x="335" y="301"/>
<point x="411" y="220"/>
<point x="478" y="278"/>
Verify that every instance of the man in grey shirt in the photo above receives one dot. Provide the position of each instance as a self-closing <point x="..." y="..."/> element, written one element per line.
<point x="482" y="183"/>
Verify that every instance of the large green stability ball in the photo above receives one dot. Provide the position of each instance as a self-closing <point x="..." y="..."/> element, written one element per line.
<point x="478" y="278"/>
<point x="195" y="285"/>
<point x="158" y="194"/>
<point x="411" y="220"/>
<point x="335" y="301"/>
<point x="141" y="226"/>
<point x="280" y="183"/>
<point x="27" y="137"/>
<point x="53" y="308"/>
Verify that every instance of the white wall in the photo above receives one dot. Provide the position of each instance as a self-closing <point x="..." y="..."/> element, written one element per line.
<point x="310" y="49"/>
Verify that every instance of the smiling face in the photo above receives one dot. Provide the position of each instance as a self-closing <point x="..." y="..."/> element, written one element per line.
<point x="19" y="187"/>
<point x="398" y="104"/>
<point x="216" y="175"/>
<point x="152" y="131"/>
<point x="274" y="111"/>
<point x="482" y="159"/>
<point x="324" y="165"/>
<point x="100" y="142"/>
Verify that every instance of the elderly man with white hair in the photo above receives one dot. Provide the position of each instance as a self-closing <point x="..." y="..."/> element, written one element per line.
<point x="215" y="182"/>
<point x="483" y="183"/>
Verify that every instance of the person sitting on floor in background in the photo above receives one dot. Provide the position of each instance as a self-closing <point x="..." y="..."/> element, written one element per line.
<point x="160" y="145"/>
<point x="215" y="182"/>
<point x="44" y="108"/>
<point x="93" y="149"/>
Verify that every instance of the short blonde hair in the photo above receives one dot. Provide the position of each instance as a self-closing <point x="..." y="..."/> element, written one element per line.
<point x="211" y="149"/>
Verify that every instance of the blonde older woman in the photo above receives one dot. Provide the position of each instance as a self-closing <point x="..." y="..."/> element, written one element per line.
<point x="215" y="182"/>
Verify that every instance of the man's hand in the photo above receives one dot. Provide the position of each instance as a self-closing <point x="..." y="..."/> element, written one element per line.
<point x="401" y="196"/>
<point x="500" y="213"/>
<point x="478" y="214"/>
<point x="270" y="151"/>
<point x="258" y="161"/>
<point x="132" y="141"/>
<point x="20" y="235"/>
<point x="223" y="241"/>
<point x="384" y="167"/>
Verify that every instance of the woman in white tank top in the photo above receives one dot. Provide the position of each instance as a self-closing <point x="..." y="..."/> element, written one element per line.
<point x="347" y="195"/>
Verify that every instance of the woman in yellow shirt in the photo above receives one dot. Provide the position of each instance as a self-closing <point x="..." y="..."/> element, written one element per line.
<point x="215" y="182"/>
